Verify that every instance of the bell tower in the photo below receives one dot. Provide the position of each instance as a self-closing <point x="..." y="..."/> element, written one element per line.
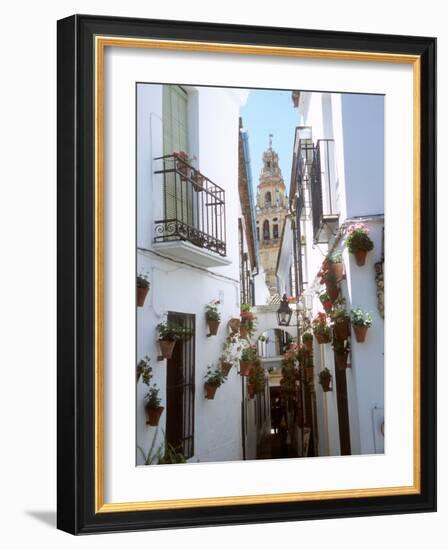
<point x="271" y="213"/>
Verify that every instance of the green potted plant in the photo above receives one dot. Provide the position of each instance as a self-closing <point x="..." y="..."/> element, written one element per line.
<point x="142" y="289"/>
<point x="321" y="330"/>
<point x="329" y="280"/>
<point x="256" y="381"/>
<point x="183" y="161"/>
<point x="153" y="408"/>
<point x="361" y="321"/>
<point x="336" y="266"/>
<point x="248" y="321"/>
<point x="341" y="351"/>
<point x="341" y="320"/>
<point x="325" y="300"/>
<point x="169" y="333"/>
<point x="248" y="357"/>
<point x="231" y="352"/>
<point x="144" y="370"/>
<point x="213" y="379"/>
<point x="307" y="340"/>
<point x="358" y="242"/>
<point x="213" y="317"/>
<point x="172" y="455"/>
<point x="325" y="380"/>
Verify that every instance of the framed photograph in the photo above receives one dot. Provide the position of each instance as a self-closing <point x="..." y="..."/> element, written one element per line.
<point x="246" y="274"/>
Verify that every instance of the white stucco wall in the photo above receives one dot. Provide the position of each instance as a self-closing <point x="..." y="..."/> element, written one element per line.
<point x="213" y="127"/>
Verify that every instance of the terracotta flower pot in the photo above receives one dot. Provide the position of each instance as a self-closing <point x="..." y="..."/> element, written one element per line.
<point x="251" y="391"/>
<point x="360" y="257"/>
<point x="210" y="391"/>
<point x="341" y="330"/>
<point x="153" y="415"/>
<point x="234" y="325"/>
<point x="243" y="332"/>
<point x="142" y="291"/>
<point x="308" y="344"/>
<point x="225" y="367"/>
<point x="245" y="368"/>
<point x="341" y="359"/>
<point x="360" y="332"/>
<point x="166" y="348"/>
<point x="325" y="383"/>
<point x="332" y="291"/>
<point x="213" y="327"/>
<point x="337" y="270"/>
<point x="322" y="338"/>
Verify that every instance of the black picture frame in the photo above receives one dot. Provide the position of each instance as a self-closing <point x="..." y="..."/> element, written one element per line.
<point x="76" y="286"/>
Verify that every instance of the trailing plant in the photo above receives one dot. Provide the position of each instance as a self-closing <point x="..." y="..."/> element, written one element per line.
<point x="361" y="317"/>
<point x="211" y="311"/>
<point x="248" y="319"/>
<point x="214" y="377"/>
<point x="170" y="331"/>
<point x="257" y="378"/>
<point x="358" y="238"/>
<point x="144" y="370"/>
<point x="231" y="350"/>
<point x="142" y="281"/>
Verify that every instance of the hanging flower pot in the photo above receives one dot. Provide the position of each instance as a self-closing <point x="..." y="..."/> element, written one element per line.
<point x="245" y="367"/>
<point x="332" y="291"/>
<point x="337" y="270"/>
<point x="361" y="321"/>
<point x="166" y="348"/>
<point x="341" y="329"/>
<point x="360" y="332"/>
<point x="251" y="391"/>
<point x="141" y="295"/>
<point x="198" y="181"/>
<point x="213" y="327"/>
<point x="243" y="332"/>
<point x="325" y="383"/>
<point x="225" y="367"/>
<point x="341" y="359"/>
<point x="360" y="257"/>
<point x="153" y="415"/>
<point x="210" y="390"/>
<point x="142" y="289"/>
<point x="322" y="338"/>
<point x="234" y="325"/>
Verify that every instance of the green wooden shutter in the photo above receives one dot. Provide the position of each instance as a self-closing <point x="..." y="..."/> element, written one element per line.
<point x="178" y="203"/>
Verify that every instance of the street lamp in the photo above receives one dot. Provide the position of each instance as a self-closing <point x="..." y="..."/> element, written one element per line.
<point x="284" y="312"/>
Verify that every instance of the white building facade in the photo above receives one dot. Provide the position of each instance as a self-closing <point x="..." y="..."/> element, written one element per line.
<point x="188" y="246"/>
<point x="337" y="180"/>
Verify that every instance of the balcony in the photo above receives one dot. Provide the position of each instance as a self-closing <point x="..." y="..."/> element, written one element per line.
<point x="193" y="227"/>
<point x="323" y="192"/>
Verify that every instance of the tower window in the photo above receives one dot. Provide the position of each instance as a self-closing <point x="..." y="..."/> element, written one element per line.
<point x="266" y="236"/>
<point x="275" y="231"/>
<point x="268" y="199"/>
<point x="258" y="233"/>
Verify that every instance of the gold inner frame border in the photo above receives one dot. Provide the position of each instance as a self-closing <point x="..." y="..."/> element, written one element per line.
<point x="101" y="42"/>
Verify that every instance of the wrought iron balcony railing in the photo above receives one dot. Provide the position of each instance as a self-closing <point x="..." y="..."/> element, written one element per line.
<point x="194" y="207"/>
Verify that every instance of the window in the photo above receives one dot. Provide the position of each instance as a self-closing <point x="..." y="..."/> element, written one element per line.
<point x="275" y="231"/>
<point x="258" y="234"/>
<point x="266" y="236"/>
<point x="268" y="199"/>
<point x="180" y="384"/>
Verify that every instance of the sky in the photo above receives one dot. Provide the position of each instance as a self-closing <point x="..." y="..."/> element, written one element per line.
<point x="270" y="112"/>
